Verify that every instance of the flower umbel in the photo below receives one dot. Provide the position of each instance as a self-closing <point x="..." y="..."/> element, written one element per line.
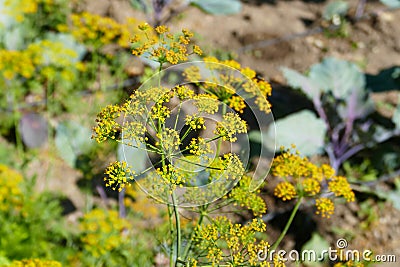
<point x="118" y="175"/>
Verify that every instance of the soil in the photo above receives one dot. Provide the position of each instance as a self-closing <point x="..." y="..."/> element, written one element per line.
<point x="263" y="37"/>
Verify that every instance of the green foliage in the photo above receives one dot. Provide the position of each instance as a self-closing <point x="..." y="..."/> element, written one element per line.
<point x="72" y="139"/>
<point x="396" y="116"/>
<point x="391" y="3"/>
<point x="33" y="225"/>
<point x="310" y="133"/>
<point x="363" y="172"/>
<point x="316" y="244"/>
<point x="334" y="9"/>
<point x="221" y="7"/>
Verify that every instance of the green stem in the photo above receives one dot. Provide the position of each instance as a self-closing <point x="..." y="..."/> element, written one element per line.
<point x="220" y="140"/>
<point x="288" y="223"/>
<point x="171" y="230"/>
<point x="16" y="119"/>
<point x="178" y="227"/>
<point x="190" y="243"/>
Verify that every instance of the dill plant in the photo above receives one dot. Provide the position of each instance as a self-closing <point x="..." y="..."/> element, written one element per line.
<point x="204" y="173"/>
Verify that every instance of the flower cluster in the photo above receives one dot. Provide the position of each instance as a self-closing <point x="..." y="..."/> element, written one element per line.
<point x="325" y="207"/>
<point x="35" y="263"/>
<point x="144" y="117"/>
<point x="169" y="141"/>
<point x="95" y="30"/>
<point x="206" y="103"/>
<point x="171" y="176"/>
<point x="302" y="178"/>
<point x="350" y="263"/>
<point x="199" y="147"/>
<point x="242" y="196"/>
<point x="19" y="9"/>
<point x="11" y="195"/>
<point x="118" y="175"/>
<point x="167" y="48"/>
<point x="240" y="85"/>
<point x="195" y="122"/>
<point x="48" y="59"/>
<point x="230" y="126"/>
<point x="102" y="231"/>
<point x="107" y="127"/>
<point x="240" y="241"/>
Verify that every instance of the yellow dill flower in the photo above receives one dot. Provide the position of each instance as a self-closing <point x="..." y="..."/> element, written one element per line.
<point x="248" y="85"/>
<point x="325" y="207"/>
<point x="98" y="31"/>
<point x="248" y="72"/>
<point x="285" y="190"/>
<point x="144" y="26"/>
<point x="107" y="127"/>
<point x="311" y="186"/>
<point x="206" y="103"/>
<point x="237" y="103"/>
<point x="327" y="171"/>
<point x="349" y="263"/>
<point x="197" y="50"/>
<point x="171" y="176"/>
<point x="278" y="261"/>
<point x="184" y="92"/>
<point x="233" y="166"/>
<point x="242" y="196"/>
<point x="195" y="122"/>
<point x="35" y="263"/>
<point x="240" y="239"/>
<point x="167" y="49"/>
<point x="161" y="29"/>
<point x="230" y="126"/>
<point x="134" y="130"/>
<point x="118" y="175"/>
<point x="11" y="195"/>
<point x="341" y="187"/>
<point x="101" y="231"/>
<point x="169" y="140"/>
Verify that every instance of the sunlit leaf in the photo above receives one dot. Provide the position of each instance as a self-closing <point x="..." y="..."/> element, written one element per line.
<point x="391" y="3"/>
<point x="338" y="76"/>
<point x="335" y="8"/>
<point x="72" y="139"/>
<point x="33" y="129"/>
<point x="316" y="245"/>
<point x="303" y="129"/>
<point x="220" y="7"/>
<point x="299" y="81"/>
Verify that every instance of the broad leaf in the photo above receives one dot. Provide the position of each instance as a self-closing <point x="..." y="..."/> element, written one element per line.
<point x="299" y="81"/>
<point x="303" y="129"/>
<point x="314" y="247"/>
<point x="14" y="38"/>
<point x="394" y="196"/>
<point x="391" y="3"/>
<point x="338" y="76"/>
<point x="335" y="8"/>
<point x="33" y="128"/>
<point x="357" y="105"/>
<point x="72" y="139"/>
<point x="218" y="7"/>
